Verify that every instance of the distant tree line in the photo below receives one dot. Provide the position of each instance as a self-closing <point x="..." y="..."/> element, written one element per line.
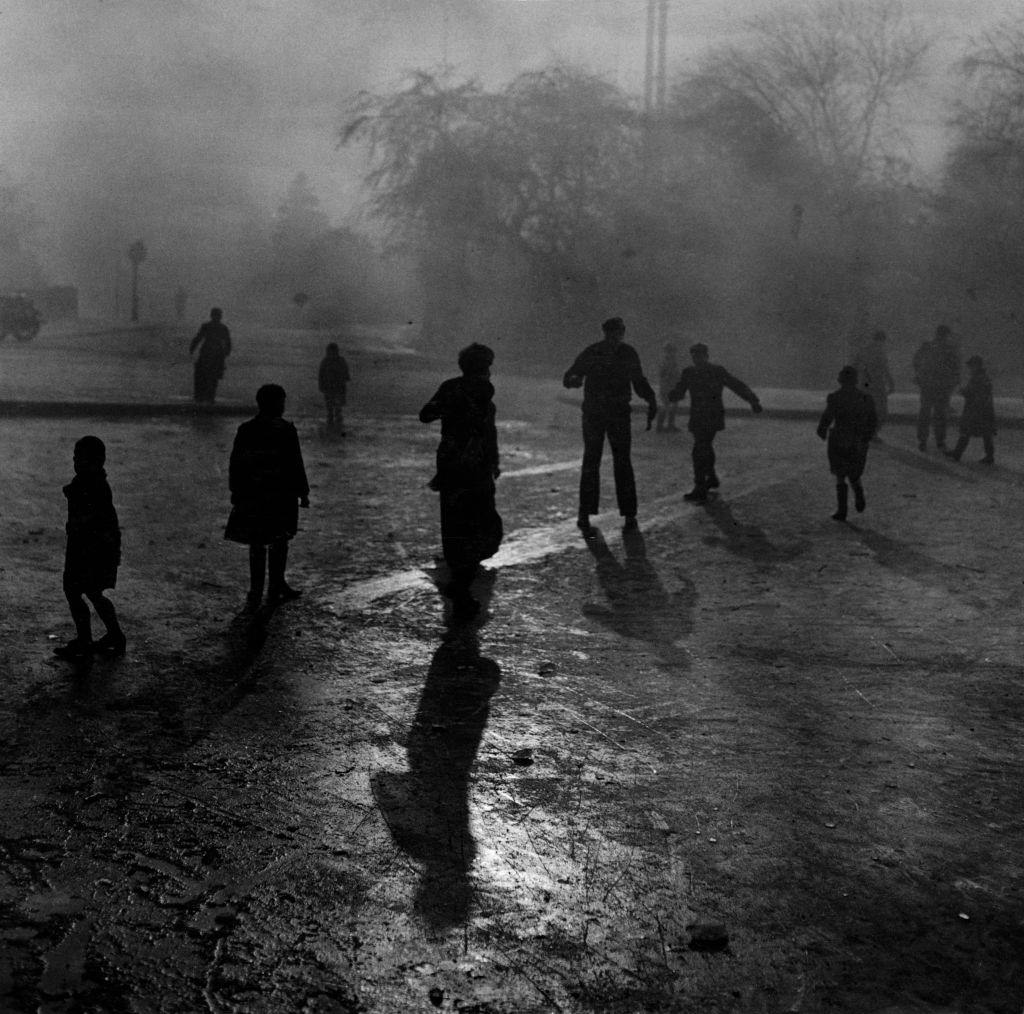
<point x="774" y="203"/>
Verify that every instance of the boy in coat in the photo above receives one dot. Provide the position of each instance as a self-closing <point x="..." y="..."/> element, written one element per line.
<point x="704" y="381"/>
<point x="93" y="552"/>
<point x="849" y="422"/>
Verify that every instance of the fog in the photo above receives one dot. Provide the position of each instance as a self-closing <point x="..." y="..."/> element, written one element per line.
<point x="183" y="123"/>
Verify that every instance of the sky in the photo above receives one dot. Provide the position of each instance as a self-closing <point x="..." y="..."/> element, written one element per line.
<point x="169" y="117"/>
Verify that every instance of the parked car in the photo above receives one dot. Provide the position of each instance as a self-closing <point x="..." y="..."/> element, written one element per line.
<point x="18" y="317"/>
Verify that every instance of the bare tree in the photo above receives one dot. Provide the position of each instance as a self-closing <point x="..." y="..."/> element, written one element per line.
<point x="830" y="76"/>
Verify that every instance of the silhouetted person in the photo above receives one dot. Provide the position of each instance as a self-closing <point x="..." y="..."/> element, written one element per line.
<point x="936" y="373"/>
<point x="214" y="343"/>
<point x="848" y="422"/>
<point x="704" y="381"/>
<point x="93" y="552"/>
<point x="467" y="466"/>
<point x="607" y="371"/>
<point x="332" y="380"/>
<point x="268" y="484"/>
<point x="668" y="374"/>
<point x="978" y="418"/>
<point x="873" y="375"/>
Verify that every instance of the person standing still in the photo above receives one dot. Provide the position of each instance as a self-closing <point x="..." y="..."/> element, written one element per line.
<point x="705" y="381"/>
<point x="937" y="374"/>
<point x="332" y="380"/>
<point x="607" y="371"/>
<point x="214" y="343"/>
<point x="268" y="484"/>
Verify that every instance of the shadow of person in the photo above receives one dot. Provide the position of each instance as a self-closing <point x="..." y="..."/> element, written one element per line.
<point x="747" y="540"/>
<point x="427" y="807"/>
<point x="638" y="604"/>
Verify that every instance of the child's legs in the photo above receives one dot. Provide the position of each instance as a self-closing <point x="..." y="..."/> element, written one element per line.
<point x="79" y="610"/>
<point x="257" y="570"/>
<point x="329" y="403"/>
<point x="104" y="610"/>
<point x="989" y="444"/>
<point x="278" y="553"/>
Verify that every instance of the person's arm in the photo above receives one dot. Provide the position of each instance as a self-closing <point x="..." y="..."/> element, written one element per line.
<point x="826" y="419"/>
<point x="345" y="375"/>
<point x="434" y="409"/>
<point x="195" y="341"/>
<point x="738" y="387"/>
<point x="642" y="387"/>
<point x="299" y="470"/>
<point x="679" y="391"/>
<point x="575" y="374"/>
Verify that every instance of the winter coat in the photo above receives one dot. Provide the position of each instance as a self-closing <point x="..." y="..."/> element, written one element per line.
<point x="705" y="385"/>
<point x="937" y="366"/>
<point x="332" y="378"/>
<point x="93" y="534"/>
<point x="978" y="418"/>
<point x="467" y="465"/>
<point x="849" y="421"/>
<point x="609" y="370"/>
<point x="267" y="479"/>
<point x="214" y="343"/>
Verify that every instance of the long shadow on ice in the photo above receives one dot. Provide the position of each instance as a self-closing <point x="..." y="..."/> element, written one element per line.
<point x="636" y="602"/>
<point x="427" y="807"/>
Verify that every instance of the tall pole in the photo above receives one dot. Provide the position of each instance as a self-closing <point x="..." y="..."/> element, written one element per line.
<point x="649" y="59"/>
<point x="662" y="34"/>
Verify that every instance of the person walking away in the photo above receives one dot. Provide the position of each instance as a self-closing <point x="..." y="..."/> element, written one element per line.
<point x="92" y="554"/>
<point x="333" y="380"/>
<point x="704" y="381"/>
<point x="849" y="422"/>
<point x="467" y="467"/>
<point x="267" y="479"/>
<point x="214" y="343"/>
<point x="937" y="373"/>
<point x="978" y="418"/>
<point x="873" y="375"/>
<point x="668" y="374"/>
<point x="607" y="371"/>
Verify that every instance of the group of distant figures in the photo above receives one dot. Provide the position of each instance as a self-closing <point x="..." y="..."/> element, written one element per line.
<point x="212" y="346"/>
<point x="268" y="484"/>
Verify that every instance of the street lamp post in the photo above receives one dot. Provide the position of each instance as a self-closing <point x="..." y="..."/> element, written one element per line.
<point x="136" y="254"/>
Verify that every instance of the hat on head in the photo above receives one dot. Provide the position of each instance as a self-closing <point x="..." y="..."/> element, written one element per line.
<point x="699" y="348"/>
<point x="613" y="325"/>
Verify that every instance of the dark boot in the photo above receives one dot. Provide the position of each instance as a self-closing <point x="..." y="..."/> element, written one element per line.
<point x="842" y="498"/>
<point x="278" y="590"/>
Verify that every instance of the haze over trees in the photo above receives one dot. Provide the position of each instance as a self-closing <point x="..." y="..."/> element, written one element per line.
<point x="774" y="204"/>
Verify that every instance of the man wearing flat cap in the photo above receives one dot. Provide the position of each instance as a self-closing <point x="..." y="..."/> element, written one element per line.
<point x="608" y="371"/>
<point x="704" y="381"/>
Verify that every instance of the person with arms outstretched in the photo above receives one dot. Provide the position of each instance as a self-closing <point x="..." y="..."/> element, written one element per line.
<point x="608" y="371"/>
<point x="704" y="381"/>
